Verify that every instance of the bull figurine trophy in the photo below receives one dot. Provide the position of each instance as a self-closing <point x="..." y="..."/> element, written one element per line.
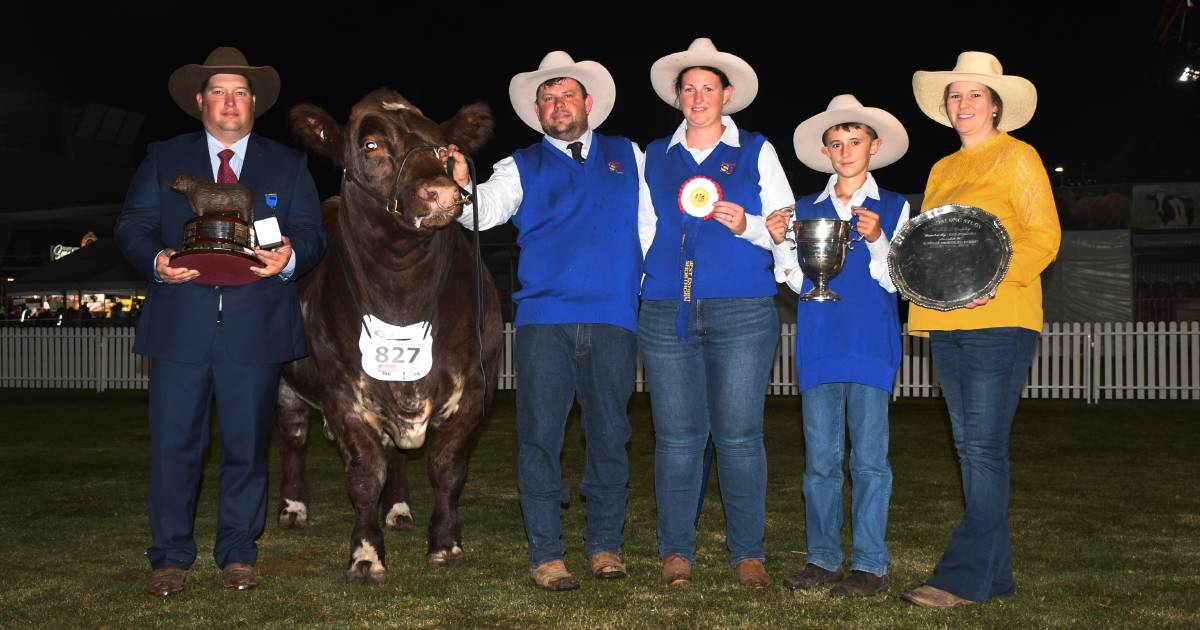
<point x="218" y="242"/>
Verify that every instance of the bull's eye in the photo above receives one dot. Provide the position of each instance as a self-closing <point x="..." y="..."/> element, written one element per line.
<point x="370" y="145"/>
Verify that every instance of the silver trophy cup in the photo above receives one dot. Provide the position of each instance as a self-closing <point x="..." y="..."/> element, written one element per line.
<point x="821" y="246"/>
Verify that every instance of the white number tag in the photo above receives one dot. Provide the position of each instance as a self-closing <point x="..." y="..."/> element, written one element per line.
<point x="396" y="353"/>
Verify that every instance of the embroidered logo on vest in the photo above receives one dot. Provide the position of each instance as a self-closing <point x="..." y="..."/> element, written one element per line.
<point x="615" y="167"/>
<point x="728" y="167"/>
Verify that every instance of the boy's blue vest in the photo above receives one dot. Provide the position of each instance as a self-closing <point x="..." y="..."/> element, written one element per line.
<point x="857" y="338"/>
<point x="581" y="260"/>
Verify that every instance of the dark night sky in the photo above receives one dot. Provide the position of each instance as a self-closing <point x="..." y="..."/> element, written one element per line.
<point x="1107" y="97"/>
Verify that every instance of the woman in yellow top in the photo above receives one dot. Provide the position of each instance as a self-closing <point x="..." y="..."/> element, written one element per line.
<point x="981" y="352"/>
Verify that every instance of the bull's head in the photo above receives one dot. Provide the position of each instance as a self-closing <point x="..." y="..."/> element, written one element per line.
<point x="388" y="151"/>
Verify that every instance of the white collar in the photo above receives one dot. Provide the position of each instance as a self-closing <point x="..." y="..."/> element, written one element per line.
<point x="729" y="136"/>
<point x="869" y="189"/>
<point x="216" y="146"/>
<point x="561" y="145"/>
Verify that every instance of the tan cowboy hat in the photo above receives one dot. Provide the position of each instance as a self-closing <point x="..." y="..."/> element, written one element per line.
<point x="1018" y="94"/>
<point x="844" y="108"/>
<point x="522" y="90"/>
<point x="188" y="80"/>
<point x="702" y="52"/>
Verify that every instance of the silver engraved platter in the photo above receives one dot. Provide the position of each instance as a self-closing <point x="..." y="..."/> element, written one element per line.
<point x="947" y="257"/>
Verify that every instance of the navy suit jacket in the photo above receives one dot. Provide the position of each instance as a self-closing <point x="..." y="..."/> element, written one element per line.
<point x="261" y="320"/>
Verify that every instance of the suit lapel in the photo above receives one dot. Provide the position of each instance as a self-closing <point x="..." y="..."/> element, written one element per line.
<point x="253" y="164"/>
<point x="199" y="163"/>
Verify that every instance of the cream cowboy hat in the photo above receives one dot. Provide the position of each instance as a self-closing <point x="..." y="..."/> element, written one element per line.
<point x="522" y="90"/>
<point x="844" y="108"/>
<point x="702" y="52"/>
<point x="1018" y="94"/>
<point x="187" y="81"/>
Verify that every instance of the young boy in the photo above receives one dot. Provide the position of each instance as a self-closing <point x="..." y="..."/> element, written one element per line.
<point x="847" y="351"/>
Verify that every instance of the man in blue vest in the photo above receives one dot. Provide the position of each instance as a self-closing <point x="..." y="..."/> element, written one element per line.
<point x="207" y="341"/>
<point x="577" y="199"/>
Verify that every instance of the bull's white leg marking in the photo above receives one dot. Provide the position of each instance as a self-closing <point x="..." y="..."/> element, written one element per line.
<point x="363" y="407"/>
<point x="366" y="553"/>
<point x="451" y="405"/>
<point x="417" y="222"/>
<point x="446" y="556"/>
<point x="413" y="437"/>
<point x="399" y="510"/>
<point x="393" y="106"/>
<point x="412" y="430"/>
<point x="298" y="508"/>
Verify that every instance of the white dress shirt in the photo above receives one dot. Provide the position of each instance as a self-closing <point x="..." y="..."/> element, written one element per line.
<point x="787" y="268"/>
<point x="775" y="192"/>
<point x="500" y="196"/>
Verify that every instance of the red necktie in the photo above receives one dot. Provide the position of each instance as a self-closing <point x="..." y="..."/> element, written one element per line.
<point x="225" y="174"/>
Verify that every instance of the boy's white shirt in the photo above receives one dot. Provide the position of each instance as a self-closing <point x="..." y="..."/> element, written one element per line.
<point x="787" y="268"/>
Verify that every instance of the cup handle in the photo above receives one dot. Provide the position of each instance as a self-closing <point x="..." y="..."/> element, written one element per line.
<point x="789" y="236"/>
<point x="855" y="235"/>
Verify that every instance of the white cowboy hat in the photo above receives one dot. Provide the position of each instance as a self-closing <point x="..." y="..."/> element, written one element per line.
<point x="844" y="108"/>
<point x="1018" y="94"/>
<point x="702" y="52"/>
<point x="522" y="90"/>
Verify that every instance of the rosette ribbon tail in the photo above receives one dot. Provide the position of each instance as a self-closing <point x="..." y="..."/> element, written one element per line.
<point x="687" y="269"/>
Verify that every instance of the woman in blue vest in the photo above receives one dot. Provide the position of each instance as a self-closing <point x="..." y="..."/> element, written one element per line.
<point x="708" y="326"/>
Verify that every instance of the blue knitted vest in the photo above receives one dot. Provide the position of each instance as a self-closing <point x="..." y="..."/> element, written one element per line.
<point x="725" y="266"/>
<point x="581" y="261"/>
<point x="857" y="338"/>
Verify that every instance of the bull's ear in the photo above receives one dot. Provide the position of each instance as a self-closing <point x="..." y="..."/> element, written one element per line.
<point x="471" y="127"/>
<point x="318" y="130"/>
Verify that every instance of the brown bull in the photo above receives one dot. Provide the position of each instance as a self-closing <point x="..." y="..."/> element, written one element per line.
<point x="395" y="258"/>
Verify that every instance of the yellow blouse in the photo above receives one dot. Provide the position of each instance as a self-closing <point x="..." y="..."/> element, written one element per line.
<point x="1005" y="177"/>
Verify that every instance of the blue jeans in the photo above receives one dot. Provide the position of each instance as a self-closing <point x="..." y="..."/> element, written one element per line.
<point x="557" y="364"/>
<point x="982" y="373"/>
<point x="715" y="381"/>
<point x="828" y="408"/>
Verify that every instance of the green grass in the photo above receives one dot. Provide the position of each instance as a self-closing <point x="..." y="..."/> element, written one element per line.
<point x="1105" y="520"/>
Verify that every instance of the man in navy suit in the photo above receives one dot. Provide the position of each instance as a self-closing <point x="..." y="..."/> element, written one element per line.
<point x="208" y="341"/>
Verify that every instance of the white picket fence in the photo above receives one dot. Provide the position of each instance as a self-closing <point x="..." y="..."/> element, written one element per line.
<point x="1083" y="361"/>
<point x="71" y="358"/>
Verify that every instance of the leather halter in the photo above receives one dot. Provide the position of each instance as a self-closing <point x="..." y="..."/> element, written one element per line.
<point x="392" y="204"/>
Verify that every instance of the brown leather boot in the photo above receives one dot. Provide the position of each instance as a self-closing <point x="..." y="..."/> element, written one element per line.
<point x="167" y="581"/>
<point x="553" y="576"/>
<point x="676" y="570"/>
<point x="239" y="576"/>
<point x="752" y="573"/>
<point x="607" y="565"/>
<point x="931" y="596"/>
<point x="811" y="576"/>
<point x="861" y="584"/>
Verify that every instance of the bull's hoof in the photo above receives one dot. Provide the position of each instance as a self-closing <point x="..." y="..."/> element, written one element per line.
<point x="294" y="515"/>
<point x="403" y="524"/>
<point x="400" y="517"/>
<point x="366" y="572"/>
<point x="446" y="557"/>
